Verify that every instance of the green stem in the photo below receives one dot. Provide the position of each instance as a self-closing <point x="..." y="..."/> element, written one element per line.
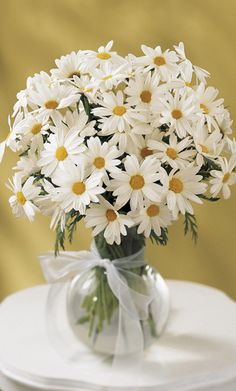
<point x="100" y="304"/>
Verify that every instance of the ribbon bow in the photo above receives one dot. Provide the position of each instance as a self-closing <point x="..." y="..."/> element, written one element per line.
<point x="133" y="293"/>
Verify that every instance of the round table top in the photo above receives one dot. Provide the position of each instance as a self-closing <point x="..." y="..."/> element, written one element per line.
<point x="197" y="350"/>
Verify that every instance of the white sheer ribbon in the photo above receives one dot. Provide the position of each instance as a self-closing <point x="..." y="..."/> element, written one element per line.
<point x="133" y="302"/>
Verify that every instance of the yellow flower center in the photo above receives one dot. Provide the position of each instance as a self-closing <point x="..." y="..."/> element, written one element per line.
<point x="99" y="162"/>
<point x="146" y="96"/>
<point x="61" y="153"/>
<point x="153" y="210"/>
<point x="75" y="73"/>
<point x="226" y="177"/>
<point x="176" y="185"/>
<point x="51" y="104"/>
<point x="159" y="60"/>
<point x="36" y="129"/>
<point x="204" y="148"/>
<point x="145" y="152"/>
<point x="107" y="77"/>
<point x="111" y="215"/>
<point x="20" y="198"/>
<point x="189" y="84"/>
<point x="204" y="108"/>
<point x="78" y="188"/>
<point x="137" y="182"/>
<point x="171" y="153"/>
<point x="103" y="56"/>
<point x="119" y="110"/>
<point x="177" y="114"/>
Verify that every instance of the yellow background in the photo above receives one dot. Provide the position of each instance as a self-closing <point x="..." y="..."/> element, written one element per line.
<point x="34" y="33"/>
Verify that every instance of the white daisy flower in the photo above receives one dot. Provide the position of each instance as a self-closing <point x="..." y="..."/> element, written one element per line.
<point x="201" y="74"/>
<point x="152" y="216"/>
<point x="87" y="86"/>
<point x="102" y="157"/>
<point x="140" y="90"/>
<point x="223" y="178"/>
<point x="67" y="66"/>
<point x="11" y="140"/>
<point x="54" y="97"/>
<point x="105" y="217"/>
<point x="34" y="127"/>
<point x="132" y="65"/>
<point x="21" y="103"/>
<point x="208" y="145"/>
<point x="58" y="216"/>
<point x="144" y="128"/>
<point x="78" y="122"/>
<point x="210" y="108"/>
<point x="141" y="149"/>
<point x="137" y="182"/>
<point x="62" y="148"/>
<point x="76" y="188"/>
<point x="178" y="112"/>
<point x="104" y="54"/>
<point x="163" y="62"/>
<point x="53" y="209"/>
<point x="180" y="50"/>
<point x="22" y="202"/>
<point x="115" y="114"/>
<point x="39" y="78"/>
<point x="225" y="122"/>
<point x="181" y="187"/>
<point x="48" y="207"/>
<point x="108" y="76"/>
<point x="24" y="102"/>
<point x="174" y="153"/>
<point x="186" y="72"/>
<point x="126" y="141"/>
<point x="28" y="165"/>
<point x="230" y="145"/>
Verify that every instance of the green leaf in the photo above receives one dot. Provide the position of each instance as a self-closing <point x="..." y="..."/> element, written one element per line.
<point x="25" y="153"/>
<point x="208" y="166"/>
<point x="38" y="176"/>
<point x="73" y="218"/>
<point x="46" y="135"/>
<point x="87" y="106"/>
<point x="212" y="199"/>
<point x="211" y="164"/>
<point x="164" y="127"/>
<point x="160" y="240"/>
<point x="83" y="319"/>
<point x="190" y="225"/>
<point x="60" y="239"/>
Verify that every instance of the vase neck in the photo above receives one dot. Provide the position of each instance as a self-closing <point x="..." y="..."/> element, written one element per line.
<point x="137" y="259"/>
<point x="130" y="245"/>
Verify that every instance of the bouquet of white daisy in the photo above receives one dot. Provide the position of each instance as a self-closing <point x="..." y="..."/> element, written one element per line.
<point x="128" y="144"/>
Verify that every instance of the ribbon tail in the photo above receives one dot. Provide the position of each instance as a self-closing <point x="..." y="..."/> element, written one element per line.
<point x="66" y="265"/>
<point x="129" y="334"/>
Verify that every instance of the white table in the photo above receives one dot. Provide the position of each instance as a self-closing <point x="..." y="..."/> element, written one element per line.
<point x="197" y="351"/>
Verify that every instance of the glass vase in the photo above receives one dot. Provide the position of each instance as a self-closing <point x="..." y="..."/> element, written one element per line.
<point x="94" y="310"/>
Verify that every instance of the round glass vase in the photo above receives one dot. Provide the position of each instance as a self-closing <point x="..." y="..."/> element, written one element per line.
<point x="93" y="309"/>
